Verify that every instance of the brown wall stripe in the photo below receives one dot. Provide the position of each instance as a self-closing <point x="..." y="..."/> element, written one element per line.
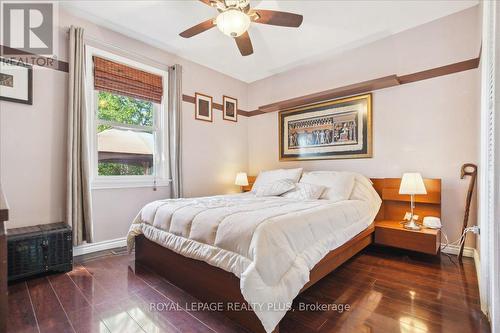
<point x="357" y="88"/>
<point x="33" y="59"/>
<point x="352" y="89"/>
<point x="371" y="85"/>
<point x="440" y="71"/>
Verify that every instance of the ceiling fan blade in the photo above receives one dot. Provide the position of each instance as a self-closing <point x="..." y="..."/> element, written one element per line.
<point x="244" y="44"/>
<point x="198" y="29"/>
<point x="282" y="19"/>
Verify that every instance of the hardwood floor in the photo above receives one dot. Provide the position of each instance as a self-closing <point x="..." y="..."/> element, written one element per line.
<point x="387" y="291"/>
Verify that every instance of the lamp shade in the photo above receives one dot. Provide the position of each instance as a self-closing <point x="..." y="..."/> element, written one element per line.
<point x="241" y="179"/>
<point x="412" y="183"/>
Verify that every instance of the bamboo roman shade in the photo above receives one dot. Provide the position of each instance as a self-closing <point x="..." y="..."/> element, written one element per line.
<point x="128" y="81"/>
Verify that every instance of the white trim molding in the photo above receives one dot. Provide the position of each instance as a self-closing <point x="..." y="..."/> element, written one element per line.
<point x="99" y="246"/>
<point x="489" y="184"/>
<point x="158" y="129"/>
<point x="477" y="263"/>
<point x="455" y="249"/>
<point x="138" y="183"/>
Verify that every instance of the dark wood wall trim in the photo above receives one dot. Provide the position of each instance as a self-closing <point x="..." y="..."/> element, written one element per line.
<point x="356" y="88"/>
<point x="440" y="71"/>
<point x="33" y="59"/>
<point x="352" y="89"/>
<point x="255" y="113"/>
<point x="371" y="85"/>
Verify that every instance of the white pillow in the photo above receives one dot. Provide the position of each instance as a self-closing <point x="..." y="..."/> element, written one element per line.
<point x="362" y="178"/>
<point x="275" y="188"/>
<point x="304" y="191"/>
<point x="338" y="184"/>
<point x="266" y="177"/>
<point x="363" y="189"/>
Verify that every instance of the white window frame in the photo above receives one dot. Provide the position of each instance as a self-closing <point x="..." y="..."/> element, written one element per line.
<point x="160" y="125"/>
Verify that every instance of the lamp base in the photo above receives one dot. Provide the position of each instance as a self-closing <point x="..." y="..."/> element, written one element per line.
<point x="411" y="226"/>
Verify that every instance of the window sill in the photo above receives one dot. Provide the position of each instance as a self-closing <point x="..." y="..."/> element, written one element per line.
<point x="122" y="184"/>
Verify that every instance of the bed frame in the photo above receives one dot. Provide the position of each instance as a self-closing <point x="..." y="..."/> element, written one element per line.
<point x="211" y="284"/>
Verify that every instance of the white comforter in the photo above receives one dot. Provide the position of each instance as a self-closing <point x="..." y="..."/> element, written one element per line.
<point x="270" y="243"/>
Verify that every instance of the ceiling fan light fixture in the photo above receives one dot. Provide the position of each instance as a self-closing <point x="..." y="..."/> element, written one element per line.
<point x="233" y="22"/>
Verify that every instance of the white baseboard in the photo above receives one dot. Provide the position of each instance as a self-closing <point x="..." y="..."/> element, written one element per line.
<point x="477" y="263"/>
<point x="455" y="249"/>
<point x="99" y="246"/>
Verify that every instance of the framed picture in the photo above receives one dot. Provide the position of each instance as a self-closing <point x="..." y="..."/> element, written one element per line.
<point x="230" y="109"/>
<point x="335" y="129"/>
<point x="203" y="107"/>
<point x="16" y="81"/>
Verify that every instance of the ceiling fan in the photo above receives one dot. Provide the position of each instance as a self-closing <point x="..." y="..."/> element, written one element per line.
<point x="235" y="17"/>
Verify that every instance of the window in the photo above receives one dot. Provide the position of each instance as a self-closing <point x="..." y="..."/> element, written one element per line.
<point x="127" y="122"/>
<point x="125" y="135"/>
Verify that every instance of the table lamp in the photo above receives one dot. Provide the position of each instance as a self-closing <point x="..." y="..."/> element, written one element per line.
<point x="241" y="179"/>
<point x="412" y="183"/>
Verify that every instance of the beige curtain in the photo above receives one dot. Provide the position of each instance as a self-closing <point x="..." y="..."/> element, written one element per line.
<point x="174" y="129"/>
<point x="78" y="199"/>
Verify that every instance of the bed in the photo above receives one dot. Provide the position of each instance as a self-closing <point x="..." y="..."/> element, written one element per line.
<point x="253" y="253"/>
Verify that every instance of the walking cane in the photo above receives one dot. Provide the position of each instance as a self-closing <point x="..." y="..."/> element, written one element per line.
<point x="468" y="169"/>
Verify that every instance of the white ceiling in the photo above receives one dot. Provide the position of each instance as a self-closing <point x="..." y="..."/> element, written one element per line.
<point x="329" y="27"/>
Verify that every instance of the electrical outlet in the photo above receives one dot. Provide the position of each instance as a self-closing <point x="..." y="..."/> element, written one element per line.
<point x="475" y="229"/>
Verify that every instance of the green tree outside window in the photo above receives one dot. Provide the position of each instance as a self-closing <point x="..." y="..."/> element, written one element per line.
<point x="128" y="111"/>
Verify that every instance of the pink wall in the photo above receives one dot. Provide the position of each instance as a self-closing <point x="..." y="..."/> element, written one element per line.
<point x="445" y="41"/>
<point x="32" y="142"/>
<point x="32" y="152"/>
<point x="430" y="126"/>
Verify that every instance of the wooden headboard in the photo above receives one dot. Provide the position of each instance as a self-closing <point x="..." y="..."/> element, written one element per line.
<point x="251" y="180"/>
<point x="394" y="205"/>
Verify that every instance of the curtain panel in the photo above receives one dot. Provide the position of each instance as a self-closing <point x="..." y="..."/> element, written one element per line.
<point x="78" y="198"/>
<point x="174" y="129"/>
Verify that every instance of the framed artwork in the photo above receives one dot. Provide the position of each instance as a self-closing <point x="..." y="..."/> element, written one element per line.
<point x="337" y="129"/>
<point x="16" y="81"/>
<point x="203" y="107"/>
<point x="230" y="109"/>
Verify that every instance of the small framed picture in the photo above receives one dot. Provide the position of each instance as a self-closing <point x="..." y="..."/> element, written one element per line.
<point x="16" y="81"/>
<point x="230" y="111"/>
<point x="203" y="107"/>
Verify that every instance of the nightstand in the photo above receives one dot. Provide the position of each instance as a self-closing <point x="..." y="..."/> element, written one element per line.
<point x="392" y="233"/>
